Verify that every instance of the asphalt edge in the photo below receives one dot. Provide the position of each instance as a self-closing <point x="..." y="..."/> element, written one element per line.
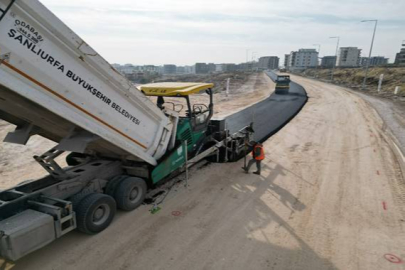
<point x="292" y="116"/>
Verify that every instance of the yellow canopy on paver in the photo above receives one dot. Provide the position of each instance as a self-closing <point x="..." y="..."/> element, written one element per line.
<point x="174" y="88"/>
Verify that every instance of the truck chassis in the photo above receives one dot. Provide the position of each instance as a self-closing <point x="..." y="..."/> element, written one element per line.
<point x="37" y="212"/>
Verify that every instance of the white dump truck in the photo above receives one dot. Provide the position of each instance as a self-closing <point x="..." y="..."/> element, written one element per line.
<point x="121" y="143"/>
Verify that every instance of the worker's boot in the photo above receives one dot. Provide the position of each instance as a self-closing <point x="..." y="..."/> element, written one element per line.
<point x="245" y="169"/>
<point x="258" y="173"/>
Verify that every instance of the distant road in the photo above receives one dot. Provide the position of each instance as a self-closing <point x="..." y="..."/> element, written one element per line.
<point x="271" y="114"/>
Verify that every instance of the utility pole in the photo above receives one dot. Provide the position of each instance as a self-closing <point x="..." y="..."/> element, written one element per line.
<point x="227" y="87"/>
<point x="369" y="55"/>
<point x="247" y="59"/>
<point x="253" y="59"/>
<point x="337" y="47"/>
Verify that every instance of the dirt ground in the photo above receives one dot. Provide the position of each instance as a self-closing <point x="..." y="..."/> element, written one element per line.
<point x="258" y="87"/>
<point x="331" y="196"/>
<point x="353" y="78"/>
<point x="392" y="113"/>
<point x="16" y="162"/>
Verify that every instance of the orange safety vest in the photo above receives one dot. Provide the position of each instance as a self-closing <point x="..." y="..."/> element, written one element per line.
<point x="255" y="150"/>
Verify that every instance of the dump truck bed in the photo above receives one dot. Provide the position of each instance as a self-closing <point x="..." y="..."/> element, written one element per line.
<point x="54" y="84"/>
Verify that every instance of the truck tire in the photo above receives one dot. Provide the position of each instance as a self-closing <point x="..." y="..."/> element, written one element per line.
<point x="95" y="213"/>
<point x="130" y="193"/>
<point x="112" y="185"/>
<point x="77" y="198"/>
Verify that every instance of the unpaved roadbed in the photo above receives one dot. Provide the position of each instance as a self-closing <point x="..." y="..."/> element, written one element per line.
<point x="331" y="196"/>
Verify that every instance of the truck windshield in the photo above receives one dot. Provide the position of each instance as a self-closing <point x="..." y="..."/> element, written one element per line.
<point x="281" y="79"/>
<point x="199" y="104"/>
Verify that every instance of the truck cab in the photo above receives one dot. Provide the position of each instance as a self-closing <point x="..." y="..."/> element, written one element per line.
<point x="195" y="110"/>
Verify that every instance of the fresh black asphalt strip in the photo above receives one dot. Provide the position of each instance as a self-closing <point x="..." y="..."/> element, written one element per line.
<point x="269" y="115"/>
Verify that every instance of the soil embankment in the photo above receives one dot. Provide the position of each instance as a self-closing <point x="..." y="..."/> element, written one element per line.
<point x="353" y="78"/>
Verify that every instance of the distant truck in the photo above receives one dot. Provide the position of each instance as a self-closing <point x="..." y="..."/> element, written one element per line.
<point x="282" y="84"/>
<point x="121" y="143"/>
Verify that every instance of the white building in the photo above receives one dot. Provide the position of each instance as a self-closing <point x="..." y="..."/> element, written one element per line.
<point x="302" y="59"/>
<point x="220" y="67"/>
<point x="287" y="60"/>
<point x="149" y="68"/>
<point x="169" y="69"/>
<point x="374" y="61"/>
<point x="189" y="69"/>
<point x="128" y="69"/>
<point x="348" y="57"/>
<point x="268" y="62"/>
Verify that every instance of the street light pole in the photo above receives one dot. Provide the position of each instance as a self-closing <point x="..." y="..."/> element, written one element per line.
<point x="333" y="68"/>
<point x="253" y="56"/>
<point x="369" y="55"/>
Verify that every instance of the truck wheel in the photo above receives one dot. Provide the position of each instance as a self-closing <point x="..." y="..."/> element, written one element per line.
<point x="95" y="212"/>
<point x="130" y="193"/>
<point x="77" y="198"/>
<point x="112" y="185"/>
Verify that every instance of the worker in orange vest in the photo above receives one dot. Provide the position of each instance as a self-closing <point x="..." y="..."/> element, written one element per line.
<point x="258" y="156"/>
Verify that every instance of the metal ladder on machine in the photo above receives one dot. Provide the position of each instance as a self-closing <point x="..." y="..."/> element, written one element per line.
<point x="61" y="210"/>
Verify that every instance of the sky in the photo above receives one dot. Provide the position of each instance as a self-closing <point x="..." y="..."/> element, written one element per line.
<point x="184" y="32"/>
